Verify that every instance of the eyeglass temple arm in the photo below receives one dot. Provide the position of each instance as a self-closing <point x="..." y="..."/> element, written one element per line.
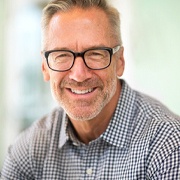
<point x="116" y="49"/>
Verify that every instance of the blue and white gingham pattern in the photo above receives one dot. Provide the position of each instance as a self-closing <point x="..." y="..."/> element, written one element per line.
<point x="141" y="142"/>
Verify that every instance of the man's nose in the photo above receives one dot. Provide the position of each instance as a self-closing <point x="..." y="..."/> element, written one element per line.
<point x="80" y="72"/>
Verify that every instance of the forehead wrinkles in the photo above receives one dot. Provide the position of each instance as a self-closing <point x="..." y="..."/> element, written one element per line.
<point x="83" y="18"/>
<point x="93" y="22"/>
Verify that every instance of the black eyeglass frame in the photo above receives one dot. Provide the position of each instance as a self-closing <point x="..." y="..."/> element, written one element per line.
<point x="81" y="54"/>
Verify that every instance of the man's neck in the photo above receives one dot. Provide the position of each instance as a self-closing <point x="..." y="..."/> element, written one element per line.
<point x="89" y="130"/>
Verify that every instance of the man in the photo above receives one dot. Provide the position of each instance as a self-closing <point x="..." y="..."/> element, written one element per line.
<point x="103" y="129"/>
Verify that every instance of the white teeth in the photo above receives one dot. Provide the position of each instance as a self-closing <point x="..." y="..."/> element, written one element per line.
<point x="81" y="91"/>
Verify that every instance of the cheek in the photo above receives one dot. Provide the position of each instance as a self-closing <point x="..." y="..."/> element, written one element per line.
<point x="55" y="81"/>
<point x="56" y="77"/>
<point x="56" y="91"/>
<point x="113" y="71"/>
<point x="108" y="76"/>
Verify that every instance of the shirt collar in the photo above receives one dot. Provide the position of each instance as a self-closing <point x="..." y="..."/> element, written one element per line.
<point x="63" y="131"/>
<point x="120" y="128"/>
<point x="67" y="132"/>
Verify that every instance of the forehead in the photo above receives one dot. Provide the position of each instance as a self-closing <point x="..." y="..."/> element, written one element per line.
<point x="77" y="25"/>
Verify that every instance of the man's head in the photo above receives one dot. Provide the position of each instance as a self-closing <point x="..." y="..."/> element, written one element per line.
<point x="81" y="56"/>
<point x="66" y="5"/>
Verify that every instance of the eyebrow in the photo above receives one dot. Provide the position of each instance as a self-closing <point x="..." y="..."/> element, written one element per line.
<point x="84" y="49"/>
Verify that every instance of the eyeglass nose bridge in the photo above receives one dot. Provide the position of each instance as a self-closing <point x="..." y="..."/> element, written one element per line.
<point x="79" y="54"/>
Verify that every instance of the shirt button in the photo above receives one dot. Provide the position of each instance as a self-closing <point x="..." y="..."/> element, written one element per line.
<point x="89" y="171"/>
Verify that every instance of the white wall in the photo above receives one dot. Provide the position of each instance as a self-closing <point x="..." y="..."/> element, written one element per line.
<point x="150" y="31"/>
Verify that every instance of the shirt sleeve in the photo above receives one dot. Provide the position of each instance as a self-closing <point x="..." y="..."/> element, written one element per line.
<point x="166" y="160"/>
<point x="170" y="168"/>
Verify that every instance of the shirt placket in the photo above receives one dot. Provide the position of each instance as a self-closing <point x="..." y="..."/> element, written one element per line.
<point x="90" y="162"/>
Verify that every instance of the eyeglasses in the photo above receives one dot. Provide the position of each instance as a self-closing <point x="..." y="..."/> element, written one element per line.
<point x="95" y="58"/>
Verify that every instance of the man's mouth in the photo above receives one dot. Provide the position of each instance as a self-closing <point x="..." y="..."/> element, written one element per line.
<point x="82" y="92"/>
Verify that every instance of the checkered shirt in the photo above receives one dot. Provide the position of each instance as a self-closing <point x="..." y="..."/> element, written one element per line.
<point x="142" y="142"/>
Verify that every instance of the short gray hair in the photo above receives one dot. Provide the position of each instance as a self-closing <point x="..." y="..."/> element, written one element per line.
<point x="64" y="5"/>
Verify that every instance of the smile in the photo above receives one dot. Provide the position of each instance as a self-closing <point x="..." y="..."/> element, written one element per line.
<point x="81" y="92"/>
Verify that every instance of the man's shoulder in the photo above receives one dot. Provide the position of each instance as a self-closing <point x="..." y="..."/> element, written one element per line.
<point x="39" y="133"/>
<point x="155" y="121"/>
<point x="145" y="106"/>
<point x="30" y="148"/>
<point x="154" y="109"/>
<point x="149" y="116"/>
<point x="157" y="129"/>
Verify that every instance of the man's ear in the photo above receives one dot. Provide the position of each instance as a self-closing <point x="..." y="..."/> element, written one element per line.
<point x="45" y="69"/>
<point x="120" y="63"/>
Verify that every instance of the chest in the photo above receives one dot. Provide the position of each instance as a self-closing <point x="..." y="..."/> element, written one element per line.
<point x="98" y="161"/>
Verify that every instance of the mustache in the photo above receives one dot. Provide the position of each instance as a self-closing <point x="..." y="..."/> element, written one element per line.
<point x="87" y="83"/>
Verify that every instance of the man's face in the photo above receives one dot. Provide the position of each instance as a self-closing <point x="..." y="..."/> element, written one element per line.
<point x="82" y="92"/>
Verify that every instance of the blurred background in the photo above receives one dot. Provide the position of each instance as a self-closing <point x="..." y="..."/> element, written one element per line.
<point x="151" y="36"/>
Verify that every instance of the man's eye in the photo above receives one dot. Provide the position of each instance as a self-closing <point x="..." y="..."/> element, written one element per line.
<point x="95" y="54"/>
<point x="63" y="55"/>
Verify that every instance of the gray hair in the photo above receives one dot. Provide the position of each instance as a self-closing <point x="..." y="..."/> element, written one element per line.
<point x="64" y="5"/>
